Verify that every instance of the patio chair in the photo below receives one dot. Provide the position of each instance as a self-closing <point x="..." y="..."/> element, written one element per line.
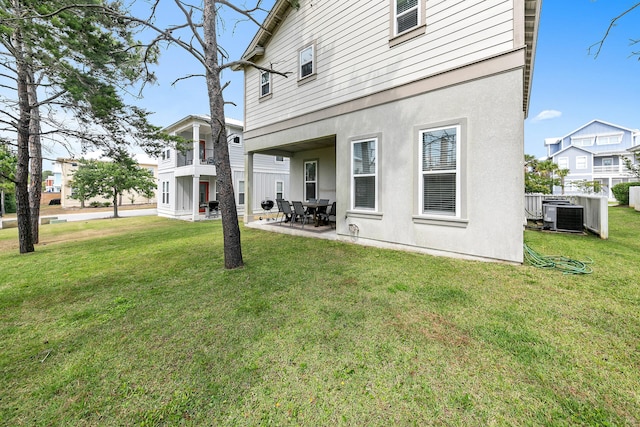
<point x="299" y="212"/>
<point x="329" y="217"/>
<point x="322" y="209"/>
<point x="279" y="204"/>
<point x="287" y="214"/>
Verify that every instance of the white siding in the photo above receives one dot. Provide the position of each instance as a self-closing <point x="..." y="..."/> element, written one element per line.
<point x="353" y="57"/>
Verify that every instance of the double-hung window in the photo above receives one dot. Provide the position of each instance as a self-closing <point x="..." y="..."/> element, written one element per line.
<point x="165" y="192"/>
<point x="439" y="171"/>
<point x="265" y="83"/>
<point x="310" y="179"/>
<point x="279" y="190"/>
<point x="563" y="163"/>
<point x="307" y="62"/>
<point x="241" y="192"/>
<point x="406" y="15"/>
<point x="581" y="162"/>
<point x="364" y="171"/>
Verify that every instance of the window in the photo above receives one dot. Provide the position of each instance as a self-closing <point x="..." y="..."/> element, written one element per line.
<point x="406" y="13"/>
<point x="581" y="162"/>
<point x="583" y="141"/>
<point x="165" y="192"/>
<point x="439" y="171"/>
<point x="241" y="192"/>
<point x="364" y="171"/>
<point x="310" y="179"/>
<point x="279" y="190"/>
<point x="607" y="161"/>
<point x="279" y="159"/>
<point x="563" y="163"/>
<point x="265" y="83"/>
<point x="307" y="62"/>
<point x="609" y="139"/>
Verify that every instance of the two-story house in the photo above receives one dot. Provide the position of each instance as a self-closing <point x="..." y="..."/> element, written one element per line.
<point x="187" y="180"/>
<point x="593" y="152"/>
<point x="67" y="167"/>
<point x="408" y="113"/>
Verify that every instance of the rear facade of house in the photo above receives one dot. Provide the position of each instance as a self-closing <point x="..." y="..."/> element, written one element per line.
<point x="409" y="114"/>
<point x="594" y="152"/>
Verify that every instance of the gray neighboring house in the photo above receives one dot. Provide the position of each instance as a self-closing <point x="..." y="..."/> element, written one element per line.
<point x="408" y="113"/>
<point x="188" y="180"/>
<point x="594" y="152"/>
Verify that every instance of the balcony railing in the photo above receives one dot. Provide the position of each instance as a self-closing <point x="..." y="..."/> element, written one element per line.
<point x="187" y="159"/>
<point x="609" y="169"/>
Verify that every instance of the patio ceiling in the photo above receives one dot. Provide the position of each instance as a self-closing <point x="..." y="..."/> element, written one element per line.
<point x="288" y="150"/>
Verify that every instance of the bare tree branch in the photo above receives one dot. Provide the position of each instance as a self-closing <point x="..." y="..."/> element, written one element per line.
<point x="609" y="28"/>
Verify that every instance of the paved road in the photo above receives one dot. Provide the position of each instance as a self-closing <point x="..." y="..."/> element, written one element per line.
<point x="108" y="214"/>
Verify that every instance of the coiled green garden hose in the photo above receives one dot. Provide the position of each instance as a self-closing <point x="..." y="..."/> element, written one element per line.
<point x="564" y="264"/>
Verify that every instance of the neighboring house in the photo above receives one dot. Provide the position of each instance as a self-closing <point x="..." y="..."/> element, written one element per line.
<point x="188" y="180"/>
<point x="67" y="168"/>
<point x="593" y="152"/>
<point x="409" y="114"/>
<point x="53" y="183"/>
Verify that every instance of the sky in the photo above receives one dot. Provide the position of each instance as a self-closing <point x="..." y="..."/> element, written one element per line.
<point x="570" y="88"/>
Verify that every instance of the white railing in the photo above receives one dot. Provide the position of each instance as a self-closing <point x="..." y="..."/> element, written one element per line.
<point x="608" y="169"/>
<point x="596" y="214"/>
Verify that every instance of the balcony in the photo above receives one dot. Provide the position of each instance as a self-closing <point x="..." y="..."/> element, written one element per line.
<point x="202" y="165"/>
<point x="610" y="169"/>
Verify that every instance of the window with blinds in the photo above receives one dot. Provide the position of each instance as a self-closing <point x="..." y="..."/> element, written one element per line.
<point x="306" y="61"/>
<point x="365" y="171"/>
<point x="439" y="170"/>
<point x="406" y="15"/>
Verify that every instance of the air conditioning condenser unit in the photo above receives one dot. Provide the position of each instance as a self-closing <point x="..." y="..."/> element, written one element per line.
<point x="563" y="217"/>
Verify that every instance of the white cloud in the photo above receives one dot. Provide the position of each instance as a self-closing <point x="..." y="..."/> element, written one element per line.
<point x="547" y="115"/>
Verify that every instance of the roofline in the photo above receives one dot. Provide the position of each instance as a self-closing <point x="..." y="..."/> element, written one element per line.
<point x="530" y="55"/>
<point x="203" y="118"/>
<point x="257" y="46"/>
<point x="573" y="146"/>
<point x="599" y="121"/>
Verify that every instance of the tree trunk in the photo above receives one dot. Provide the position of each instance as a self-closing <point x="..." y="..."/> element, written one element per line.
<point x="115" y="204"/>
<point x="35" y="151"/>
<point x="25" y="236"/>
<point x="228" y="210"/>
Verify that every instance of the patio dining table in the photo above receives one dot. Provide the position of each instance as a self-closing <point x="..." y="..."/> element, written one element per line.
<point x="313" y="206"/>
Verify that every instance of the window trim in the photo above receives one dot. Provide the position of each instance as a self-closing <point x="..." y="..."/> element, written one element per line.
<point x="591" y="138"/>
<point x="304" y="177"/>
<point x="396" y="38"/>
<point x="312" y="75"/>
<point x="241" y="191"/>
<point x="279" y="181"/>
<point x="566" y="161"/>
<point x="376" y="138"/>
<point x="620" y="136"/>
<point x="261" y="84"/>
<point x="586" y="163"/>
<point x="460" y="219"/>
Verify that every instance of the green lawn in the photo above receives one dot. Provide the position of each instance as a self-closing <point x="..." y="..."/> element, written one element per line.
<point x="135" y="322"/>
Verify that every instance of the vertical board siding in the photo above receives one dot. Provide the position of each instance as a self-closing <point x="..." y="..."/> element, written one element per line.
<point x="353" y="57"/>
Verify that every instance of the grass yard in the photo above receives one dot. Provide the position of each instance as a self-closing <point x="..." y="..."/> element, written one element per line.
<point x="135" y="322"/>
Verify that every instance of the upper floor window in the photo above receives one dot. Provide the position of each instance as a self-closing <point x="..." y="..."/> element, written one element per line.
<point x="406" y="13"/>
<point x="279" y="159"/>
<point x="307" y="62"/>
<point x="563" y="163"/>
<point x="583" y="141"/>
<point x="439" y="172"/>
<point x="581" y="162"/>
<point x="265" y="83"/>
<point x="609" y="139"/>
<point x="365" y="171"/>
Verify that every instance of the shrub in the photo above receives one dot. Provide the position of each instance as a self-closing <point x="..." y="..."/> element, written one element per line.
<point x="9" y="203"/>
<point x="106" y="204"/>
<point x="621" y="191"/>
<point x="95" y="204"/>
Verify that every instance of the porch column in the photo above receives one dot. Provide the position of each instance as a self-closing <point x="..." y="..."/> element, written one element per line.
<point x="196" y="143"/>
<point x="248" y="187"/>
<point x="195" y="208"/>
